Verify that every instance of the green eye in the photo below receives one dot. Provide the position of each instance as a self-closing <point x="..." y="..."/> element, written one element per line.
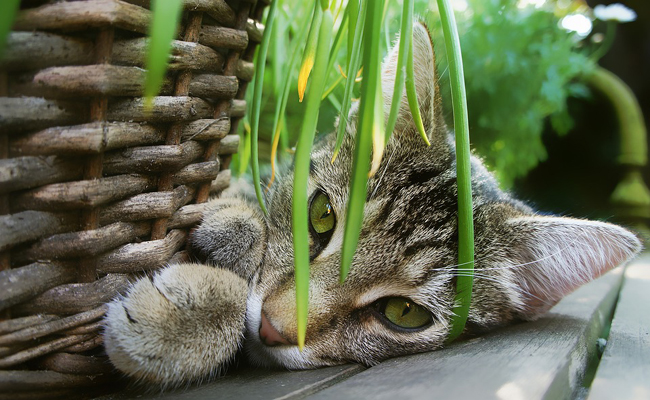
<point x="405" y="313"/>
<point x="321" y="214"/>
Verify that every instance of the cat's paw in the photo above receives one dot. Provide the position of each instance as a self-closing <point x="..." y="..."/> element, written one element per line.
<point x="232" y="235"/>
<point x="180" y="327"/>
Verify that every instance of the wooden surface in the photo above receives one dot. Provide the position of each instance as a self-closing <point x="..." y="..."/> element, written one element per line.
<point x="550" y="358"/>
<point x="624" y="371"/>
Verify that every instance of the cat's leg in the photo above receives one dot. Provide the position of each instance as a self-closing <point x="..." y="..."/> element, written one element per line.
<point x="178" y="327"/>
<point x="232" y="235"/>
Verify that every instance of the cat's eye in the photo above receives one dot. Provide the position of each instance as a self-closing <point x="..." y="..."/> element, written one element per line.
<point x="404" y="313"/>
<point x="321" y="215"/>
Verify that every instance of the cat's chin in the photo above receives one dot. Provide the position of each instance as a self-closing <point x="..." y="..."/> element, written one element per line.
<point x="287" y="356"/>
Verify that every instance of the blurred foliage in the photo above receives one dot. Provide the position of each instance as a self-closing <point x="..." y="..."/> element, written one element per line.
<point x="520" y="68"/>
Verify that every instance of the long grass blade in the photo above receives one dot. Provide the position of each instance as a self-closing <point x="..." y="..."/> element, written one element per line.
<point x="281" y="106"/>
<point x="244" y="152"/>
<point x="353" y="12"/>
<point x="257" y="102"/>
<point x="370" y="93"/>
<point x="378" y="135"/>
<point x="465" y="280"/>
<point x="353" y="67"/>
<point x="166" y="15"/>
<point x="411" y="94"/>
<point x="338" y="41"/>
<point x="302" y="160"/>
<point x="406" y="32"/>
<point x="8" y="10"/>
<point x="308" y="57"/>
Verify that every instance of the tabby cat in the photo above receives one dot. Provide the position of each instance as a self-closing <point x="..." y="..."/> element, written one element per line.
<point x="187" y="321"/>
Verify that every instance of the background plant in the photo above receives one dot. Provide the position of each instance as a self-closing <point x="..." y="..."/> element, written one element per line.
<point x="521" y="67"/>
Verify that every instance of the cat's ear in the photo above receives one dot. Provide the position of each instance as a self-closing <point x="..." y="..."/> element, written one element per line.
<point x="553" y="256"/>
<point x="428" y="95"/>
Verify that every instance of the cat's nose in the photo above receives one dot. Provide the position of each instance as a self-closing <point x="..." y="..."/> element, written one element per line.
<point x="269" y="335"/>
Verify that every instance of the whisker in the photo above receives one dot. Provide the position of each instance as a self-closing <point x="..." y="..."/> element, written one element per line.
<point x="557" y="253"/>
<point x="519" y="289"/>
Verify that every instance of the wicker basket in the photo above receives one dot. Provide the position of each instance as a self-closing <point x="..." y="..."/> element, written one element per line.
<point x="93" y="189"/>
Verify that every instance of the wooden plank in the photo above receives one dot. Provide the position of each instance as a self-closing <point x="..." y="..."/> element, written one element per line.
<point x="258" y="384"/>
<point x="544" y="359"/>
<point x="624" y="370"/>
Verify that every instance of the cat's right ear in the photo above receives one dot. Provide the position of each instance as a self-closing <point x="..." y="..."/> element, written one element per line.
<point x="428" y="94"/>
<point x="551" y="256"/>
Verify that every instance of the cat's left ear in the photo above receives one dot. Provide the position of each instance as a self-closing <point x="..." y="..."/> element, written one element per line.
<point x="428" y="94"/>
<point x="552" y="256"/>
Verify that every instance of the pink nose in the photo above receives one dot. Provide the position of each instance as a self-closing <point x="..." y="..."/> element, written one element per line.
<point x="269" y="335"/>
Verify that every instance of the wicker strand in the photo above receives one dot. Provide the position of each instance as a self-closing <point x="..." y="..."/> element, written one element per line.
<point x="223" y="107"/>
<point x="98" y="107"/>
<point x="5" y="260"/>
<point x="192" y="30"/>
<point x="94" y="187"/>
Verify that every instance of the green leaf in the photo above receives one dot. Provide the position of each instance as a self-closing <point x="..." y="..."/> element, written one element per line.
<point x="370" y="94"/>
<point x="465" y="277"/>
<point x="353" y="12"/>
<point x="257" y="103"/>
<point x="308" y="57"/>
<point x="164" y="23"/>
<point x="412" y="94"/>
<point x="300" y="220"/>
<point x="281" y="106"/>
<point x="353" y="67"/>
<point x="406" y="31"/>
<point x="8" y="10"/>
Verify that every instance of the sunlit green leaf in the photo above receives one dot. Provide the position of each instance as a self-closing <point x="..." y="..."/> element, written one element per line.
<point x="465" y="277"/>
<point x="301" y="174"/>
<point x="309" y="54"/>
<point x="257" y="102"/>
<point x="370" y="94"/>
<point x="8" y="9"/>
<point x="406" y="32"/>
<point x="412" y="94"/>
<point x="281" y="106"/>
<point x="164" y="23"/>
<point x="353" y="67"/>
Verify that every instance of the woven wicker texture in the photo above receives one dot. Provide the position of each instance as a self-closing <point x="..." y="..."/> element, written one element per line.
<point x="94" y="190"/>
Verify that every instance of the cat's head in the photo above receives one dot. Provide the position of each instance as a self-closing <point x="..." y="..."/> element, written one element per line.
<point x="399" y="294"/>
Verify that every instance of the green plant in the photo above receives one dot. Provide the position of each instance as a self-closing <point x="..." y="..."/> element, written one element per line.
<point x="522" y="68"/>
<point x="8" y="9"/>
<point x="364" y="20"/>
<point x="165" y="14"/>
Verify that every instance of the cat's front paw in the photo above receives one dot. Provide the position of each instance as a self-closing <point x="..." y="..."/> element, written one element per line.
<point x="180" y="327"/>
<point x="232" y="235"/>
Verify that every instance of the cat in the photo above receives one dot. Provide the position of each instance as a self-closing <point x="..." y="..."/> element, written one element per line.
<point x="187" y="321"/>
